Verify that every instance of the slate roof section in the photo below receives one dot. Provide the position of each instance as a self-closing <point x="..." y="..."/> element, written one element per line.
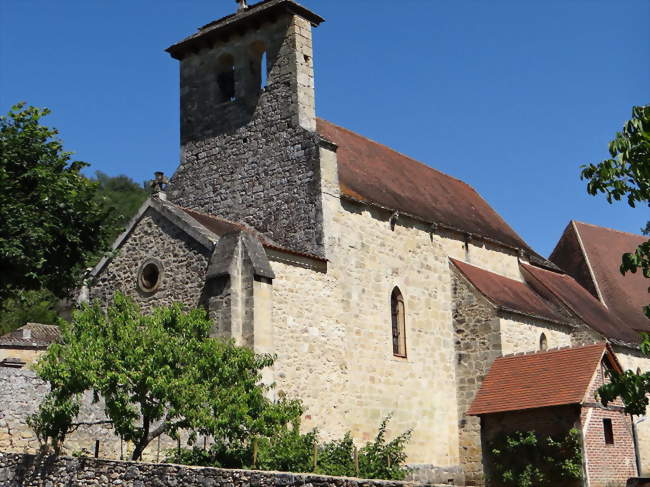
<point x="31" y="335"/>
<point x="374" y="173"/>
<point x="508" y="294"/>
<point x="599" y="250"/>
<point x="553" y="378"/>
<point x="566" y="289"/>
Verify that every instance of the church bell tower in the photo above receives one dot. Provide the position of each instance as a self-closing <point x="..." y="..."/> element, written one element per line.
<point x="249" y="150"/>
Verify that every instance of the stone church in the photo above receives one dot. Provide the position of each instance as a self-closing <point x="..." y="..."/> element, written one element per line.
<point x="383" y="285"/>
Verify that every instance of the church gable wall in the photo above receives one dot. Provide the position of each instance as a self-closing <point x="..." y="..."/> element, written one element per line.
<point x="182" y="259"/>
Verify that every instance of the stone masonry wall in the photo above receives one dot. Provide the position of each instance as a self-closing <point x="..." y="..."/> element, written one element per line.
<point x="522" y="334"/>
<point x="20" y="394"/>
<point x="254" y="158"/>
<point x="31" y="471"/>
<point x="332" y="329"/>
<point x="183" y="260"/>
<point x="478" y="343"/>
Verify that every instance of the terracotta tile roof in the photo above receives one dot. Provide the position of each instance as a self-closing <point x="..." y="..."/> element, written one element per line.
<point x="509" y="294"/>
<point x="553" y="378"/>
<point x="372" y="172"/>
<point x="31" y="335"/>
<point x="590" y="310"/>
<point x="599" y="250"/>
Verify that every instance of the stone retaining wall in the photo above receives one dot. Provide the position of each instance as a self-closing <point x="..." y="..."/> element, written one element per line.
<point x="32" y="471"/>
<point x="21" y="391"/>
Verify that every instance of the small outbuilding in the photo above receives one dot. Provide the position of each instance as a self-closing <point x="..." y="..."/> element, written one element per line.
<point x="553" y="391"/>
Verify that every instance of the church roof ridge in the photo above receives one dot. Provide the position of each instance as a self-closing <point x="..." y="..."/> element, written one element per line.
<point x="609" y="229"/>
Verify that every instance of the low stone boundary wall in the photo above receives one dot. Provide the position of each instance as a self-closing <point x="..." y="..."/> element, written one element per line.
<point x="24" y="470"/>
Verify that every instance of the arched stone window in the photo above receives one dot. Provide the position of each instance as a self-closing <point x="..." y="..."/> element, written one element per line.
<point x="543" y="342"/>
<point x="226" y="77"/>
<point x="398" y="321"/>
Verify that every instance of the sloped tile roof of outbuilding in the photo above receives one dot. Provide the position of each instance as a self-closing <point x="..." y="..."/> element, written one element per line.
<point x="589" y="309"/>
<point x="40" y="335"/>
<point x="544" y="379"/>
<point x="372" y="172"/>
<point x="507" y="293"/>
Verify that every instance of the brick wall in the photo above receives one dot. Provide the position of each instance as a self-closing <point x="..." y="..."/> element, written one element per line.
<point x="608" y="465"/>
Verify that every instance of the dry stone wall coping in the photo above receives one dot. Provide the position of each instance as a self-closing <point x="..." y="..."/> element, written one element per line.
<point x="32" y="470"/>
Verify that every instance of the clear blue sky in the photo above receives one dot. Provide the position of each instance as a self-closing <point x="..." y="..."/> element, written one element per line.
<point x="510" y="96"/>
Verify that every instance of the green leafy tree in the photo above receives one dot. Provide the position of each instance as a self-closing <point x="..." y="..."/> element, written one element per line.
<point x="50" y="218"/>
<point x="336" y="457"/>
<point x="28" y="307"/>
<point x="119" y="196"/>
<point x="122" y="197"/>
<point x="626" y="175"/>
<point x="156" y="373"/>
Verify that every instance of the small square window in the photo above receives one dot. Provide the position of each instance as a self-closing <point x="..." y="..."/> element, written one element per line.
<point x="608" y="430"/>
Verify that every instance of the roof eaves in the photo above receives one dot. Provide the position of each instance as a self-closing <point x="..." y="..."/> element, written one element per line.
<point x="537" y="317"/>
<point x="211" y="32"/>
<point x="435" y="225"/>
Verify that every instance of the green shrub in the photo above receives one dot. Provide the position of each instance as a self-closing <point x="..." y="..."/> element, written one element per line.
<point x="336" y="457"/>
<point x="527" y="459"/>
<point x="384" y="460"/>
<point x="289" y="450"/>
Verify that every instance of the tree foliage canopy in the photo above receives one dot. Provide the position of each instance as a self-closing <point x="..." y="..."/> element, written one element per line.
<point x="626" y="175"/>
<point x="121" y="196"/>
<point x="51" y="220"/>
<point x="156" y="373"/>
<point x="55" y="221"/>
